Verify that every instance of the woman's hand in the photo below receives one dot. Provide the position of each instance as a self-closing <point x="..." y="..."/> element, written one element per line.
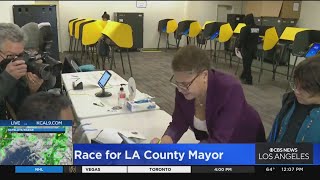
<point x="164" y="140"/>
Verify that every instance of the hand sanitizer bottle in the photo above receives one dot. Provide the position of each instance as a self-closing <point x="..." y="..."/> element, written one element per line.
<point x="121" y="97"/>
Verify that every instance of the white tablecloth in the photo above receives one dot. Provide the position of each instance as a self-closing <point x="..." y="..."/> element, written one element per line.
<point x="83" y="100"/>
<point x="150" y="124"/>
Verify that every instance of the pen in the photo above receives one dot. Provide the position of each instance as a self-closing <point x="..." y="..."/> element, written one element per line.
<point x="159" y="142"/>
<point x="101" y="105"/>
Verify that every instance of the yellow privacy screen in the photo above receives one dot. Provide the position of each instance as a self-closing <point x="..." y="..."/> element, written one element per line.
<point x="195" y="29"/>
<point x="290" y="32"/>
<point x="270" y="39"/>
<point x="238" y="28"/>
<point x="172" y="25"/>
<point x="91" y="33"/>
<point x="77" y="27"/>
<point x="225" y="32"/>
<point x="119" y="33"/>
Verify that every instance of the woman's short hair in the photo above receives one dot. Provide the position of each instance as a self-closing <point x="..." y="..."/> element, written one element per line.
<point x="307" y="75"/>
<point x="191" y="58"/>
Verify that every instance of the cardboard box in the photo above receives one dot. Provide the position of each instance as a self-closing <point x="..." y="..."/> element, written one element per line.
<point x="282" y="9"/>
<point x="291" y="9"/>
<point x="263" y="8"/>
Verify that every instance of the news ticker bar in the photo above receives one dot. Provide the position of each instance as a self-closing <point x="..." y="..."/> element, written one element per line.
<point x="271" y="169"/>
<point x="36" y="130"/>
<point x="35" y="123"/>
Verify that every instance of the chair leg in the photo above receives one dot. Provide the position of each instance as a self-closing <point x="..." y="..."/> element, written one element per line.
<point x="129" y="62"/>
<point x="112" y="58"/>
<point x="294" y="65"/>
<point x="261" y="66"/>
<point x="238" y="63"/>
<point x="168" y="45"/>
<point x="97" y="57"/>
<point x="230" y="60"/>
<point x="159" y="40"/>
<point x="70" y="44"/>
<point x="218" y="54"/>
<point x="122" y="61"/>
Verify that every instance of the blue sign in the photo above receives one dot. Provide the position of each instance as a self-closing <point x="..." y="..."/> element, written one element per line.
<point x="164" y="154"/>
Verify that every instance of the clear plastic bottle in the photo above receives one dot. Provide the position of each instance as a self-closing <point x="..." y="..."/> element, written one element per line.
<point x="121" y="97"/>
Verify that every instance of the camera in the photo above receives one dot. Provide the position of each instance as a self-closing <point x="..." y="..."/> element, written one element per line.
<point x="48" y="67"/>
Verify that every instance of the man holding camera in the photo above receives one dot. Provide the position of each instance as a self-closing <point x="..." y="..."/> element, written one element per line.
<point x="15" y="82"/>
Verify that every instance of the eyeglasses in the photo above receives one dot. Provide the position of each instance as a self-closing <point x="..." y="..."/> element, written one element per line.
<point x="183" y="86"/>
<point x="296" y="89"/>
<point x="293" y="86"/>
<point x="11" y="57"/>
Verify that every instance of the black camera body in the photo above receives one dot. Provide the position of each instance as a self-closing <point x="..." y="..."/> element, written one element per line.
<point x="45" y="69"/>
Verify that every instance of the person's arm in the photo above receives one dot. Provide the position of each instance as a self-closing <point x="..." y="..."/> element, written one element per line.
<point x="229" y="116"/>
<point x="7" y="82"/>
<point x="243" y="36"/>
<point x="178" y="126"/>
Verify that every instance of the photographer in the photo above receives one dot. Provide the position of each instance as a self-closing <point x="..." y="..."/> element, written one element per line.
<point x="15" y="82"/>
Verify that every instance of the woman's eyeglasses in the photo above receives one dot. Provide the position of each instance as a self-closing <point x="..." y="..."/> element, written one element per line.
<point x="183" y="86"/>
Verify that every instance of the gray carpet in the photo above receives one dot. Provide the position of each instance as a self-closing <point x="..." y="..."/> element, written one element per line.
<point x="152" y="71"/>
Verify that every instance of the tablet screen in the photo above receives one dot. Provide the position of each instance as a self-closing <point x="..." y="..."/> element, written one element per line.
<point x="104" y="79"/>
<point x="313" y="50"/>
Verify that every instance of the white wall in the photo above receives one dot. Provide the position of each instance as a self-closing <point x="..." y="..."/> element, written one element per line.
<point x="309" y="15"/>
<point x="155" y="11"/>
<point x="203" y="11"/>
<point x="6" y="9"/>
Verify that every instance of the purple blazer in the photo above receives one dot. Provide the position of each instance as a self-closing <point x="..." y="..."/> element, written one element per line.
<point x="229" y="118"/>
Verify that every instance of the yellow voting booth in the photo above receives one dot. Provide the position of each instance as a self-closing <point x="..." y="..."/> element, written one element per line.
<point x="238" y="28"/>
<point x="289" y="33"/>
<point x="167" y="27"/>
<point x="71" y="27"/>
<point x="91" y="33"/>
<point x="225" y="33"/>
<point x="270" y="40"/>
<point x="118" y="35"/>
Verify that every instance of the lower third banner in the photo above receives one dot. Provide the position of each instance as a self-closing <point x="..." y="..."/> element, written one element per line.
<point x="164" y="154"/>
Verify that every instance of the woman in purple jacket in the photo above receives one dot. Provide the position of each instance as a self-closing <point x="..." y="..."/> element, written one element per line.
<point x="211" y="103"/>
